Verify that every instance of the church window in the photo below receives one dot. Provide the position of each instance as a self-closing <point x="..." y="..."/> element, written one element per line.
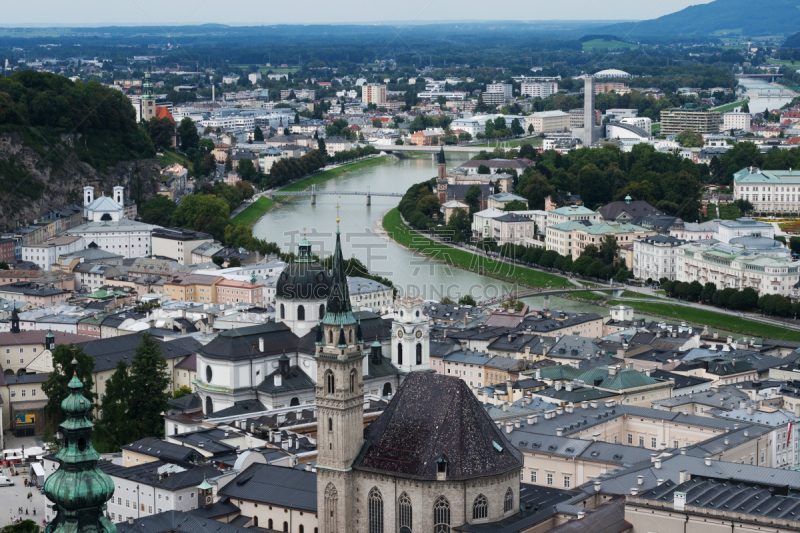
<point x="375" y="511"/>
<point x="330" y="336"/>
<point x="353" y="381"/>
<point x="417" y="314"/>
<point x="321" y="310"/>
<point x="286" y="527"/>
<point x="480" y="508"/>
<point x="508" y="504"/>
<point x="351" y="336"/>
<point x="441" y="515"/>
<point x="209" y="373"/>
<point x="302" y="529"/>
<point x="330" y="424"/>
<point x="419" y="353"/>
<point x="399" y="353"/>
<point x="405" y="513"/>
<point x="294" y="401"/>
<point x="269" y="523"/>
<point x="209" y="405"/>
<point x="301" y="313"/>
<point x="329" y="382"/>
<point x="283" y="312"/>
<point x="329" y="514"/>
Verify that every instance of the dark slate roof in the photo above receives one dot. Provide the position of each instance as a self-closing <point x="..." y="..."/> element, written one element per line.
<point x="147" y="474"/>
<point x="433" y="417"/>
<point x="190" y="363"/>
<point x="243" y="407"/>
<point x="107" y="352"/>
<point x="296" y="380"/>
<point x="275" y="485"/>
<point x="636" y="208"/>
<point x="242" y="343"/>
<point x="164" y="451"/>
<point x="681" y="381"/>
<point x="608" y="518"/>
<point x="177" y="522"/>
<point x="224" y="507"/>
<point x="188" y="401"/>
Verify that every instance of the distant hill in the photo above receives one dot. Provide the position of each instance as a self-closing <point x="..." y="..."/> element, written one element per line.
<point x="747" y="17"/>
<point x="793" y="41"/>
<point x="57" y="136"/>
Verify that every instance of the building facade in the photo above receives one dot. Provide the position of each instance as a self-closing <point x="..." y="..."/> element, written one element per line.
<point x="770" y="191"/>
<point x="654" y="257"/>
<point x="674" y="121"/>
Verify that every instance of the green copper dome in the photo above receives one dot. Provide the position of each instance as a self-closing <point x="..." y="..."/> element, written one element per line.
<point x="79" y="489"/>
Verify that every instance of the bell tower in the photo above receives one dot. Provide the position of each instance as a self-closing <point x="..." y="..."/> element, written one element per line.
<point x="441" y="176"/>
<point x="411" y="335"/>
<point x="148" y="101"/>
<point x="340" y="402"/>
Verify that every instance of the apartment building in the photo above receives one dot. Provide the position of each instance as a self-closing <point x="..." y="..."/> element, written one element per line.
<point x="654" y="257"/>
<point x="178" y="243"/>
<point x="736" y="121"/>
<point x="539" y="90"/>
<point x="45" y="254"/>
<point x="770" y="191"/>
<point x="570" y="238"/>
<point x="503" y="88"/>
<point x="733" y="266"/>
<point x="373" y="93"/>
<point x="234" y="292"/>
<point x="674" y="121"/>
<point x="549" y="121"/>
<point x="192" y="288"/>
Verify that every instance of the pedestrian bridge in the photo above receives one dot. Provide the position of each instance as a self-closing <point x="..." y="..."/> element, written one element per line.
<point x="312" y="192"/>
<point x="615" y="292"/>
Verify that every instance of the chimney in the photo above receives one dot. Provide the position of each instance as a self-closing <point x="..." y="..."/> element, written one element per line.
<point x="533" y="419"/>
<point x="659" y="482"/>
<point x="261" y="344"/>
<point x="569" y="408"/>
<point x="612" y="371"/>
<point x="559" y="432"/>
<point x="679" y="501"/>
<point x="308" y="467"/>
<point x="658" y="463"/>
<point x="683" y="451"/>
<point x="735" y="426"/>
<point x="708" y="458"/>
<point x="597" y="485"/>
<point x="285" y="445"/>
<point x="278" y="379"/>
<point x="581" y="514"/>
<point x="517" y="423"/>
<point x="584" y="404"/>
<point x="640" y="480"/>
<point x="746" y="433"/>
<point x="130" y="520"/>
<point x="653" y="457"/>
<point x="634" y="491"/>
<point x="593" y="403"/>
<point x="749" y="409"/>
<point x="683" y="477"/>
<point x="559" y="410"/>
<point x="509" y="427"/>
<point x="595" y="436"/>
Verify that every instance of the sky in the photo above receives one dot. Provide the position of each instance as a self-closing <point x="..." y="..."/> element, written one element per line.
<point x="252" y="12"/>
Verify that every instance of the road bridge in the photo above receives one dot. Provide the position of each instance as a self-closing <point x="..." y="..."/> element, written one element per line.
<point x="313" y="194"/>
<point x="547" y="293"/>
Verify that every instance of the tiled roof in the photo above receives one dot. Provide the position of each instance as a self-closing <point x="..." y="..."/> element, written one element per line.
<point x="434" y="417"/>
<point x="275" y="485"/>
<point x="177" y="522"/>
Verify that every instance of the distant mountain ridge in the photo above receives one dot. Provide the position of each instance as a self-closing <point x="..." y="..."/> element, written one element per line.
<point x="750" y="17"/>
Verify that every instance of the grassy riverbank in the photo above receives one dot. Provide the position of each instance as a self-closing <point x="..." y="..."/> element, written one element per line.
<point x="259" y="208"/>
<point x="413" y="240"/>
<point x="713" y="320"/>
<point x="254" y="211"/>
<point x="305" y="183"/>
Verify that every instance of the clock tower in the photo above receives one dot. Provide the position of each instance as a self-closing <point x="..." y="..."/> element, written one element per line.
<point x="411" y="338"/>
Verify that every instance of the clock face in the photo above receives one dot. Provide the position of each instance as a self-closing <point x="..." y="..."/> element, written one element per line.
<point x="400" y="334"/>
<point x="208" y="499"/>
<point x="419" y="334"/>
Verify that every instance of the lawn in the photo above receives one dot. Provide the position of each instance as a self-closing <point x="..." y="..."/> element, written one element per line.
<point x="588" y="296"/>
<point x="169" y="158"/>
<point x="655" y="129"/>
<point x="715" y="320"/>
<point x="790" y="226"/>
<point x="415" y="241"/>
<point x="305" y="183"/>
<point x="588" y="46"/>
<point x="730" y="107"/>
<point x="254" y="211"/>
<point x="781" y="62"/>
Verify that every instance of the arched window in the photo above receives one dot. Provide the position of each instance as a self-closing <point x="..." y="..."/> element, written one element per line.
<point x="270" y="523"/>
<point x="255" y="521"/>
<point x="301" y="312"/>
<point x="329" y="382"/>
<point x="351" y="336"/>
<point x="419" y="353"/>
<point x="508" y="504"/>
<point x="417" y="314"/>
<point x="330" y="424"/>
<point x="329" y="522"/>
<point x="353" y="381"/>
<point x="480" y="508"/>
<point x="404" y="513"/>
<point x="294" y="401"/>
<point x="283" y="312"/>
<point x="301" y="529"/>
<point x="286" y="527"/>
<point x="330" y="336"/>
<point x="441" y="515"/>
<point x="209" y="406"/>
<point x="375" y="511"/>
<point x="399" y="353"/>
<point x="321" y="311"/>
<point x="387" y="389"/>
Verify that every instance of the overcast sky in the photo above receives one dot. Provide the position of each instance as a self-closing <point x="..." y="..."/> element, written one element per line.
<point x="156" y="12"/>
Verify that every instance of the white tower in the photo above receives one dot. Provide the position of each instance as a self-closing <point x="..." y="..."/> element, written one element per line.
<point x="88" y="195"/>
<point x="411" y="336"/>
<point x="119" y="195"/>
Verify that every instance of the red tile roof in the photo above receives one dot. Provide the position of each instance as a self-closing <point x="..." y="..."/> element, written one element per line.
<point x="163" y="112"/>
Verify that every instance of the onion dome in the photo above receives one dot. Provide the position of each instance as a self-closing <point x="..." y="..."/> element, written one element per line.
<point x="304" y="278"/>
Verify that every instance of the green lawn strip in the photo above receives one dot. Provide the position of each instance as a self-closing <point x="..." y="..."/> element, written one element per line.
<point x="414" y="240"/>
<point x="588" y="295"/>
<point x="715" y="320"/>
<point x="254" y="211"/>
<point x="729" y="107"/>
<point x="326" y="175"/>
<point x="170" y="158"/>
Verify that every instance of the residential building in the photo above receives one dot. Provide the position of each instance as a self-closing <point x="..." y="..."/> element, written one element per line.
<point x="178" y="243"/>
<point x="609" y="87"/>
<point x="93" y="277"/>
<point x="674" y="121"/>
<point x="7" y="250"/>
<point x="334" y="145"/>
<point x="127" y="238"/>
<point x="572" y="237"/>
<point x="268" y="157"/>
<point x="192" y="288"/>
<point x="450" y="207"/>
<point x="549" y="121"/>
<point x="501" y="199"/>
<point x="626" y="210"/>
<point x="736" y="121"/>
<point x="33" y="293"/>
<point x="571" y="212"/>
<point x="770" y="191"/>
<point x="373" y="93"/>
<point x="369" y="293"/>
<point x="654" y="257"/>
<point x="493" y="98"/>
<point x="576" y="118"/>
<point x="512" y="228"/>
<point x="234" y="292"/>
<point x="504" y="88"/>
<point x="539" y="90"/>
<point x="47" y="253"/>
<point x="732" y="266"/>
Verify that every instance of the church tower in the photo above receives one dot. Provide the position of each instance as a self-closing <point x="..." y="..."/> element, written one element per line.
<point x="340" y="402"/>
<point x="441" y="176"/>
<point x="411" y="335"/>
<point x="148" y="102"/>
<point x="79" y="489"/>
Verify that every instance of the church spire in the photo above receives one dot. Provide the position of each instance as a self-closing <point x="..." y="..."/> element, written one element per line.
<point x="338" y="310"/>
<point x="78" y="488"/>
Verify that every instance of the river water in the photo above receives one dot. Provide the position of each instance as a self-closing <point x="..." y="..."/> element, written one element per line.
<point x="767" y="97"/>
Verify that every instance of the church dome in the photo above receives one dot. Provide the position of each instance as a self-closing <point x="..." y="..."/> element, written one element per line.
<point x="304" y="279"/>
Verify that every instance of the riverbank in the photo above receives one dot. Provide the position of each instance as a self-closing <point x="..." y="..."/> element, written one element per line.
<point x="252" y="213"/>
<point x="711" y="319"/>
<point x="399" y="232"/>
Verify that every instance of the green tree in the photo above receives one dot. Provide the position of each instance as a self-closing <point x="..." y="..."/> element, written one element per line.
<point x="197" y="211"/>
<point x="515" y="205"/>
<point x="745" y="108"/>
<point x="228" y="163"/>
<point x="467" y="300"/>
<point x="234" y="262"/>
<point x="609" y="248"/>
<point x="473" y="198"/>
<point x="446" y="301"/>
<point x="690" y="139"/>
<point x="246" y="169"/>
<point x="181" y="391"/>
<point x="321" y="145"/>
<point x="55" y="387"/>
<point x="707" y="294"/>
<point x="3" y="265"/>
<point x="26" y="526"/>
<point x="460" y="225"/>
<point x="376" y="123"/>
<point x="428" y="205"/>
<point x="516" y="128"/>
<point x="483" y="169"/>
<point x="162" y="132"/>
<point x="258" y="134"/>
<point x="187" y="131"/>
<point x="158" y="210"/>
<point x="117" y="425"/>
<point x="149" y="381"/>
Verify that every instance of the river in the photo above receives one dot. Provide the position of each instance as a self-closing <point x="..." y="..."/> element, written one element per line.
<point x="767" y="97"/>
